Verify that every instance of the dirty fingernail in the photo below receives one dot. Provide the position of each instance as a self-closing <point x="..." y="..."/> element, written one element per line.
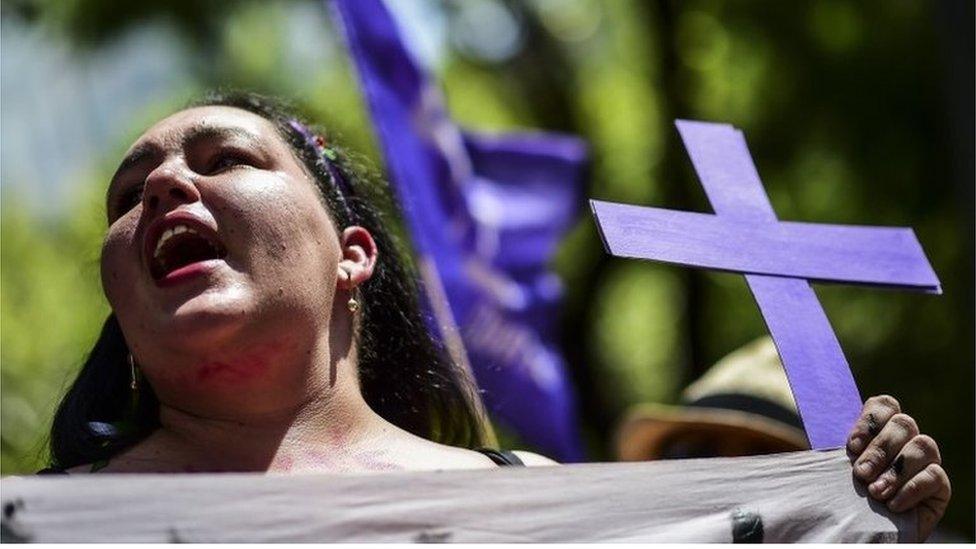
<point x="899" y="464"/>
<point x="864" y="468"/>
<point x="873" y="426"/>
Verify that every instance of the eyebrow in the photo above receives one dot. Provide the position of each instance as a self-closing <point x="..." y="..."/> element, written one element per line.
<point x="147" y="151"/>
<point x="141" y="152"/>
<point x="205" y="131"/>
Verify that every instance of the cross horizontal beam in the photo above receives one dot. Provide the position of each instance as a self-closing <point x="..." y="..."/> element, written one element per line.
<point x="884" y="256"/>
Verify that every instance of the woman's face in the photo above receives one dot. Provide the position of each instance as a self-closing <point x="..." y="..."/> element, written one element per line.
<point x="220" y="261"/>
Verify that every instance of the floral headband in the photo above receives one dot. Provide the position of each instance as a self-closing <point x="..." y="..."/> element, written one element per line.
<point x="327" y="156"/>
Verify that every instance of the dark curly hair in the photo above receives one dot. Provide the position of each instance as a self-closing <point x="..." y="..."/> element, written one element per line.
<point x="426" y="393"/>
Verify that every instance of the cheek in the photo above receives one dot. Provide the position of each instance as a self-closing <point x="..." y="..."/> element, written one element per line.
<point x="119" y="263"/>
<point x="308" y="252"/>
<point x="284" y="235"/>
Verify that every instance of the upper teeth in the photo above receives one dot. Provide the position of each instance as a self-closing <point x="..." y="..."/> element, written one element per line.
<point x="169" y="233"/>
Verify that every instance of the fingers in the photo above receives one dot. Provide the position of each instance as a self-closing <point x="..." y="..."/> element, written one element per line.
<point x="899" y="465"/>
<point x="932" y="482"/>
<point x="930" y="510"/>
<point x="915" y="456"/>
<point x="876" y="413"/>
<point x="882" y="450"/>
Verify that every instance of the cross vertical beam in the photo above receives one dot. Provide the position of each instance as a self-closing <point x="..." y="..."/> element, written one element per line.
<point x="814" y="361"/>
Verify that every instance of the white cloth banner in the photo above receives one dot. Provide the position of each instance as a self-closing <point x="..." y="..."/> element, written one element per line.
<point x="803" y="496"/>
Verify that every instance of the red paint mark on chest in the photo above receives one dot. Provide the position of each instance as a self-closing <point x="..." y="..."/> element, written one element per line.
<point x="375" y="461"/>
<point x="320" y="460"/>
<point x="339" y="438"/>
<point x="284" y="463"/>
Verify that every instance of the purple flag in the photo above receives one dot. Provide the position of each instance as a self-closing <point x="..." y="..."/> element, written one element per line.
<point x="485" y="214"/>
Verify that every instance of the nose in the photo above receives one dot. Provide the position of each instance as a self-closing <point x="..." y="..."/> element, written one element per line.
<point x="168" y="186"/>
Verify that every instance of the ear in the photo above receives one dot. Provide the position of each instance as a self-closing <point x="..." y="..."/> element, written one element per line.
<point x="358" y="257"/>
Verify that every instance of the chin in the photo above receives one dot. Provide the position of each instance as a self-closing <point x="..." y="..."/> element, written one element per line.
<point x="208" y="318"/>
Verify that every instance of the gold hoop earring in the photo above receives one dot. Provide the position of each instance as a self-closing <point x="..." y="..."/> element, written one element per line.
<point x="133" y="388"/>
<point x="133" y="380"/>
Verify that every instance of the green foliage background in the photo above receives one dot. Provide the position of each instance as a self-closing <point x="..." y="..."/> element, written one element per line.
<point x="856" y="112"/>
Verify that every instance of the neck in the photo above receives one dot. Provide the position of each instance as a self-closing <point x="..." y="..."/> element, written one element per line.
<point x="330" y="429"/>
<point x="316" y="435"/>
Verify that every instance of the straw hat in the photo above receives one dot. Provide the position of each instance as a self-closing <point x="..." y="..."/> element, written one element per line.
<point x="741" y="406"/>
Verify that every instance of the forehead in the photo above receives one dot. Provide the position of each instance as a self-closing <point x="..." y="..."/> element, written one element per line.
<point x="175" y="127"/>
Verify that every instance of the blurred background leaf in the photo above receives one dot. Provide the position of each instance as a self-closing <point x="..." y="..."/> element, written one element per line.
<point x="856" y="112"/>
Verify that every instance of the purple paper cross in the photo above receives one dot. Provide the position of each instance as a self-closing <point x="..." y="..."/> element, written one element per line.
<point x="777" y="258"/>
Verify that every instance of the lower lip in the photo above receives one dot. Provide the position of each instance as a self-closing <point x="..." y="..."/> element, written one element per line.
<point x="187" y="273"/>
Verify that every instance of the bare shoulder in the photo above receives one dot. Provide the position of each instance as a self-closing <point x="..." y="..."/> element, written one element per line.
<point x="531" y="459"/>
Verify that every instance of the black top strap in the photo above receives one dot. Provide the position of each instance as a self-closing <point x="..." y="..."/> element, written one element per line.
<point x="502" y="457"/>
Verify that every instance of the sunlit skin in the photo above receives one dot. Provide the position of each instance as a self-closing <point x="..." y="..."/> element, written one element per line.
<point x="251" y="354"/>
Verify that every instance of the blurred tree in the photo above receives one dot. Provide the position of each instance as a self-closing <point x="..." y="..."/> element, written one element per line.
<point x="51" y="306"/>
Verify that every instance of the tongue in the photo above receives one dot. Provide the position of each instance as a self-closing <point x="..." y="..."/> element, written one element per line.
<point x="184" y="250"/>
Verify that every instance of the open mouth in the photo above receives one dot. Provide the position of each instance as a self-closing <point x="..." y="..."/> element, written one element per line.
<point x="182" y="244"/>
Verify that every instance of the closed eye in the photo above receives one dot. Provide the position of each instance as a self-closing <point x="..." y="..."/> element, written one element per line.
<point x="127" y="199"/>
<point x="228" y="160"/>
